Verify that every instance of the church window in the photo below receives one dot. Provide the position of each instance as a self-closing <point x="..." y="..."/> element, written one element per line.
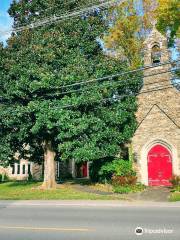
<point x="156" y="54"/>
<point x="23" y="169"/>
<point x="13" y="169"/>
<point x="29" y="168"/>
<point x="18" y="169"/>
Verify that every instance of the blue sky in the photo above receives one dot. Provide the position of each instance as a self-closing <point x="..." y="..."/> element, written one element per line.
<point x="5" y="20"/>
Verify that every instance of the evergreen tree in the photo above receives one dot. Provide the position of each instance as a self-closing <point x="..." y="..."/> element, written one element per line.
<point x="85" y="122"/>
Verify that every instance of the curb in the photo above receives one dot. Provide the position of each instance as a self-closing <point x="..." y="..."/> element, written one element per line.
<point x="87" y="203"/>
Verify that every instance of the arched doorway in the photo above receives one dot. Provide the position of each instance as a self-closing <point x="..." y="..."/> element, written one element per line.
<point x="159" y="166"/>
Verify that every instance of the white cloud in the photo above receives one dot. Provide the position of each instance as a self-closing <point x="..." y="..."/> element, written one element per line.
<point x="4" y="36"/>
<point x="5" y="25"/>
<point x="4" y="14"/>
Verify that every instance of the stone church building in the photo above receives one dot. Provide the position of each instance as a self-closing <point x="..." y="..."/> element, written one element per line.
<point x="156" y="142"/>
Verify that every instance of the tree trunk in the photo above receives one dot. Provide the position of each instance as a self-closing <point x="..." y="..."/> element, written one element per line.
<point x="49" y="166"/>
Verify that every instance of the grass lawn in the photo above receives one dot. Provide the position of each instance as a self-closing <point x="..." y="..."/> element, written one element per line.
<point x="175" y="195"/>
<point x="28" y="191"/>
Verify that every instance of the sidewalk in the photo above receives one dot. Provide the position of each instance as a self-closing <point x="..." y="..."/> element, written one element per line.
<point x="85" y="203"/>
<point x="150" y="194"/>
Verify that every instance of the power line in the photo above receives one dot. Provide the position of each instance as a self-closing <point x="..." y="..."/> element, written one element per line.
<point x="113" y="76"/>
<point x="118" y="84"/>
<point x="118" y="98"/>
<point x="37" y="12"/>
<point x="74" y="13"/>
<point x="54" y="19"/>
<point x="64" y="16"/>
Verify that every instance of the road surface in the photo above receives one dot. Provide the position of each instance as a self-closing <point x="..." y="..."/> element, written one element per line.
<point x="88" y="221"/>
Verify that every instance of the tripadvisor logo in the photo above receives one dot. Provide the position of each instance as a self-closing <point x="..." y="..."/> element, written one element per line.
<point x="139" y="231"/>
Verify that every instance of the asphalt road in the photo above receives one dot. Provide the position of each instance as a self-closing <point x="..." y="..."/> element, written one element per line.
<point x="70" y="222"/>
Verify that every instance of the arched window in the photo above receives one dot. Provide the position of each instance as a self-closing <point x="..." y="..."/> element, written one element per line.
<point x="156" y="54"/>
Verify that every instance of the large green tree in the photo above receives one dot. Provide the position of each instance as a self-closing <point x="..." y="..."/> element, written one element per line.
<point x="81" y="122"/>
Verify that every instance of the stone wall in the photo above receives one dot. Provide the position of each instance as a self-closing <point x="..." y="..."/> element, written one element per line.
<point x="155" y="128"/>
<point x="36" y="171"/>
<point x="158" y="112"/>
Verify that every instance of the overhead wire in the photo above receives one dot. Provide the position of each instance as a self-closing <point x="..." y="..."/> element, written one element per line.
<point x="111" y="99"/>
<point x="114" y="75"/>
<point x="53" y="19"/>
<point x="37" y="12"/>
<point x="109" y="78"/>
<point x="118" y="83"/>
<point x="115" y="100"/>
<point x="82" y="12"/>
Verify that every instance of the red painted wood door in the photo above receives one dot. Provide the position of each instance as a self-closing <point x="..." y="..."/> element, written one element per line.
<point x="84" y="169"/>
<point x="159" y="166"/>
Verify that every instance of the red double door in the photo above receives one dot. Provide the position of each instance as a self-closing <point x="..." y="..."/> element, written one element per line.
<point x="159" y="166"/>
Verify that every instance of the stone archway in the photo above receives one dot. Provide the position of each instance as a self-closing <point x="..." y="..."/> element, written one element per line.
<point x="143" y="161"/>
<point x="159" y="160"/>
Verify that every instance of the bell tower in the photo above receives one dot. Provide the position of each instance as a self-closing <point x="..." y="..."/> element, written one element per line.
<point x="158" y="116"/>
<point x="156" y="56"/>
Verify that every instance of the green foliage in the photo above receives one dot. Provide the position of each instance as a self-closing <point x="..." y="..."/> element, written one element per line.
<point x="175" y="180"/>
<point x="125" y="35"/>
<point x="95" y="168"/>
<point x="138" y="187"/>
<point x="168" y="18"/>
<point x="177" y="188"/>
<point x="124" y="180"/>
<point x="4" y="178"/>
<point x="175" y="192"/>
<point x="131" y="22"/>
<point x="36" y="66"/>
<point x="166" y="15"/>
<point x="175" y="197"/>
<point x="117" y="167"/>
<point x="121" y="189"/>
<point x="128" y="188"/>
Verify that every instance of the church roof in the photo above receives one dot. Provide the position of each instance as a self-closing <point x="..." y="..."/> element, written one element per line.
<point x="154" y="35"/>
<point x="162" y="111"/>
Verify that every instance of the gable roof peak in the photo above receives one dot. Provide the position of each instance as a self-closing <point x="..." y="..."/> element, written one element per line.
<point x="155" y="35"/>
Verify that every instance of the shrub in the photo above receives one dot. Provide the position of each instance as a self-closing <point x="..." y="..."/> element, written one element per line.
<point x="4" y="178"/>
<point x="177" y="188"/>
<point x="117" y="167"/>
<point x="95" y="170"/>
<point x="175" y="180"/>
<point x="132" y="180"/>
<point x="122" y="189"/>
<point x="128" y="188"/>
<point x="124" y="180"/>
<point x="138" y="187"/>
